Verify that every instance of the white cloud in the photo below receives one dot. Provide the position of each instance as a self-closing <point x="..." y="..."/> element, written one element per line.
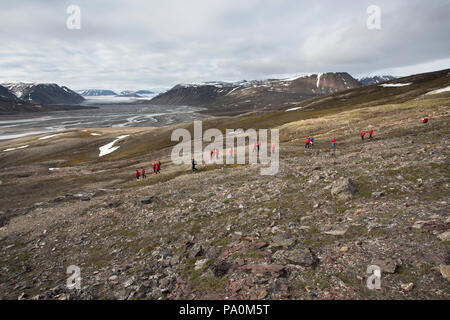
<point x="143" y="44"/>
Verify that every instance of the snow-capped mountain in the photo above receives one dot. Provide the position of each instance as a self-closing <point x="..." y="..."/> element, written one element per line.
<point x="96" y="92"/>
<point x="43" y="93"/>
<point x="367" y="81"/>
<point x="271" y="93"/>
<point x="7" y="96"/>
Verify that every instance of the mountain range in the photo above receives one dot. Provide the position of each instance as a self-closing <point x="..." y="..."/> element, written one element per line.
<point x="367" y="81"/>
<point x="238" y="97"/>
<point x="218" y="97"/>
<point x="42" y="93"/>
<point x="96" y="92"/>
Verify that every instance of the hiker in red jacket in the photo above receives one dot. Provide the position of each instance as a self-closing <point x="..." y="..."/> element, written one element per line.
<point x="425" y="120"/>
<point x="154" y="168"/>
<point x="363" y="133"/>
<point x="137" y="174"/>
<point x="308" y="143"/>
<point x="158" y="166"/>
<point x="333" y="143"/>
<point x="259" y="145"/>
<point x="143" y="173"/>
<point x="211" y="154"/>
<point x="370" y="134"/>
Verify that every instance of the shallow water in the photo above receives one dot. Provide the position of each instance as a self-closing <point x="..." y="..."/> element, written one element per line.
<point x="117" y="115"/>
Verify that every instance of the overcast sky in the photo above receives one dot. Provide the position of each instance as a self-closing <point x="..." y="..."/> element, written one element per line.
<point x="145" y="44"/>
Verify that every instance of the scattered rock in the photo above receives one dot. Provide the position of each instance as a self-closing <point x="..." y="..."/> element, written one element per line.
<point x="59" y="199"/>
<point x="445" y="236"/>
<point x="303" y="256"/>
<point x="129" y="282"/>
<point x="199" y="264"/>
<point x="262" y="295"/>
<point x="418" y="225"/>
<point x="280" y="242"/>
<point x="113" y="204"/>
<point x="113" y="278"/>
<point x="147" y="200"/>
<point x="196" y="251"/>
<point x="221" y="268"/>
<point x="407" y="287"/>
<point x="336" y="232"/>
<point x="445" y="271"/>
<point x="343" y="189"/>
<point x="377" y="194"/>
<point x="386" y="266"/>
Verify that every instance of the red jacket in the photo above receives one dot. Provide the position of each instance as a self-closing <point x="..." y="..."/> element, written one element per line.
<point x="363" y="133"/>
<point x="308" y="140"/>
<point x="334" y="140"/>
<point x="154" y="166"/>
<point x="137" y="174"/>
<point x="371" y="132"/>
<point x="143" y="171"/>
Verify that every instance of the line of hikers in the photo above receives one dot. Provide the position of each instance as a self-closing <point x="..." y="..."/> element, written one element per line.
<point x="310" y="140"/>
<point x="215" y="151"/>
<point x="156" y="169"/>
<point x="363" y="134"/>
<point x="256" y="147"/>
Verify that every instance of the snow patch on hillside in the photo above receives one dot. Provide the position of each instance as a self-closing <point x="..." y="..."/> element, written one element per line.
<point x="11" y="149"/>
<point x="439" y="90"/>
<point x="389" y="85"/>
<point x="48" y="137"/>
<point x="296" y="77"/>
<point x="108" y="148"/>
<point x="318" y="80"/>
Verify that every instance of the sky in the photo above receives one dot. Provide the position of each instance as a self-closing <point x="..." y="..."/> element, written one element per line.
<point x="145" y="44"/>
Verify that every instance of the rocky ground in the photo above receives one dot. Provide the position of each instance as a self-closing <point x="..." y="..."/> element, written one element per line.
<point x="227" y="232"/>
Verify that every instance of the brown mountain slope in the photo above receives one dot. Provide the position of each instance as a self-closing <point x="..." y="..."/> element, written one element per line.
<point x="234" y="98"/>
